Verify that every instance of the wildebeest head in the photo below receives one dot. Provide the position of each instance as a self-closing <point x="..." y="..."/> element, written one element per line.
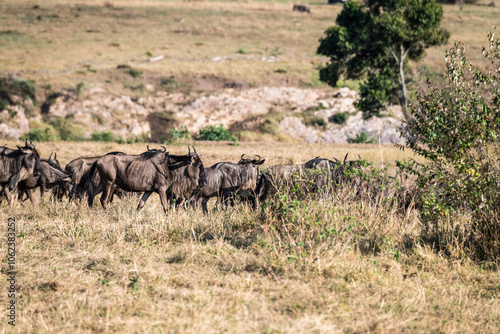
<point x="52" y="160"/>
<point x="254" y="162"/>
<point x="198" y="164"/>
<point x="30" y="157"/>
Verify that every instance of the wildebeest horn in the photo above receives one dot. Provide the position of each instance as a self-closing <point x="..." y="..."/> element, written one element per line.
<point x="55" y="155"/>
<point x="26" y="143"/>
<point x="336" y="160"/>
<point x="189" y="150"/>
<point x="242" y="156"/>
<point x="50" y="156"/>
<point x="148" y="148"/>
<point x="164" y="148"/>
<point x="31" y="142"/>
<point x="194" y="149"/>
<point x="258" y="157"/>
<point x="345" y="159"/>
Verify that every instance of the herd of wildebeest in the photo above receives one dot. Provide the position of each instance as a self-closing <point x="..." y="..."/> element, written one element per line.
<point x="182" y="180"/>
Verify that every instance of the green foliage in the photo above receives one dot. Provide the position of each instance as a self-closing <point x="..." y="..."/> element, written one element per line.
<point x="40" y="135"/>
<point x="372" y="39"/>
<point x="456" y="130"/>
<point x="79" y="88"/>
<point x="317" y="121"/>
<point x="182" y="133"/>
<point x="216" y="133"/>
<point x="67" y="130"/>
<point x="104" y="136"/>
<point x="176" y="134"/>
<point x="10" y="87"/>
<point x="339" y="118"/>
<point x="362" y="138"/>
<point x="135" y="73"/>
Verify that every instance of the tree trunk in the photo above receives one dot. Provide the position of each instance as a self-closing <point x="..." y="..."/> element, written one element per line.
<point x="461" y="4"/>
<point x="403" y="98"/>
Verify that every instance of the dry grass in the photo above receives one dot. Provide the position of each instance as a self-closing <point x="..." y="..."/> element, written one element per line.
<point x="339" y="266"/>
<point x="62" y="43"/>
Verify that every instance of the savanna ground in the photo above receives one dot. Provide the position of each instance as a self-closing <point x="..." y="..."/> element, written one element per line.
<point x="325" y="266"/>
<point x="62" y="43"/>
<point x="331" y="265"/>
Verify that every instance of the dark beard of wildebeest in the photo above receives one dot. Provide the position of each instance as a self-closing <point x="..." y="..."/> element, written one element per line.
<point x="51" y="175"/>
<point x="150" y="172"/>
<point x="18" y="165"/>
<point x="79" y="170"/>
<point x="227" y="180"/>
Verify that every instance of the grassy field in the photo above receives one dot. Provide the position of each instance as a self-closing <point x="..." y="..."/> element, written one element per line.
<point x="321" y="266"/>
<point x="336" y="265"/>
<point x="61" y="43"/>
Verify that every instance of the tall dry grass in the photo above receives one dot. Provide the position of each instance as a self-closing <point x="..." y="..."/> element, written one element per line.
<point x="324" y="265"/>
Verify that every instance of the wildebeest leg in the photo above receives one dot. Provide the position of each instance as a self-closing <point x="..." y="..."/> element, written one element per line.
<point x="42" y="191"/>
<point x="163" y="199"/>
<point x="73" y="191"/>
<point x="96" y="192"/>
<point x="7" y="194"/>
<point x="204" y="205"/>
<point x="143" y="200"/>
<point x="108" y="185"/>
<point x="29" y="193"/>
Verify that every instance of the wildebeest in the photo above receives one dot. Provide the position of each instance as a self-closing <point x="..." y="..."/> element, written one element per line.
<point x="302" y="8"/>
<point x="18" y="165"/>
<point x="226" y="180"/>
<point x="152" y="171"/>
<point x="184" y="182"/>
<point x="51" y="175"/>
<point x="79" y="170"/>
<point x="320" y="172"/>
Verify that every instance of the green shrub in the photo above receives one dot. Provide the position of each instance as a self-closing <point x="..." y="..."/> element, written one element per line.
<point x="339" y="118"/>
<point x="104" y="136"/>
<point x="40" y="135"/>
<point x="216" y="133"/>
<point x="317" y="121"/>
<point x="79" y="88"/>
<point x="67" y="130"/>
<point x="176" y="134"/>
<point x="362" y="138"/>
<point x="456" y="130"/>
<point x="9" y="87"/>
<point x="135" y="73"/>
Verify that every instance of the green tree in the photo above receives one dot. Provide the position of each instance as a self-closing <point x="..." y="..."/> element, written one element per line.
<point x="374" y="40"/>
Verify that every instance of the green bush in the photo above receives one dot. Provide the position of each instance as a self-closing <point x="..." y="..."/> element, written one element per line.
<point x="15" y="87"/>
<point x="67" y="130"/>
<point x="456" y="130"/>
<point x="317" y="121"/>
<point x="104" y="136"/>
<point x="339" y="118"/>
<point x="362" y="138"/>
<point x="176" y="134"/>
<point x="40" y="135"/>
<point x="216" y="133"/>
<point x="135" y="73"/>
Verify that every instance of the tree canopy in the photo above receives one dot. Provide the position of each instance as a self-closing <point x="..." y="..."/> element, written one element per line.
<point x="374" y="40"/>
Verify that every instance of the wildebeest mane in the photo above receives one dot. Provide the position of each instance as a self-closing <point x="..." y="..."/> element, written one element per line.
<point x="148" y="155"/>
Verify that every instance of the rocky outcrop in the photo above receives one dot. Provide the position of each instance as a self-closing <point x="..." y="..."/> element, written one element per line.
<point x="128" y="117"/>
